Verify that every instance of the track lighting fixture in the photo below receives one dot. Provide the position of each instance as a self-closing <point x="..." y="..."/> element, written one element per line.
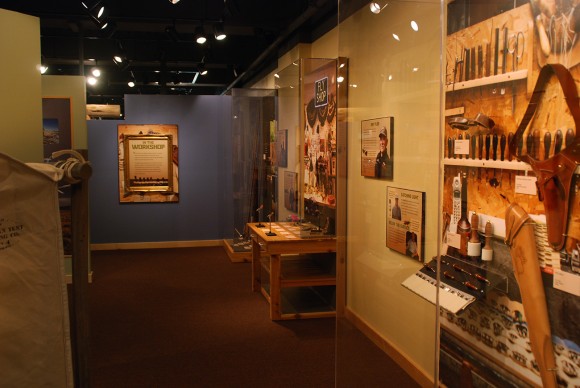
<point x="376" y="7"/>
<point x="174" y="1"/>
<point x="218" y="31"/>
<point x="97" y="11"/>
<point x="201" y="68"/>
<point x="200" y="35"/>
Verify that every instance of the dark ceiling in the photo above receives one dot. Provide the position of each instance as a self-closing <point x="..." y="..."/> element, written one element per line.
<point x="157" y="39"/>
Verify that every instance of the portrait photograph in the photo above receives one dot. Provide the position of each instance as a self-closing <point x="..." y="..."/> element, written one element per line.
<point x="377" y="145"/>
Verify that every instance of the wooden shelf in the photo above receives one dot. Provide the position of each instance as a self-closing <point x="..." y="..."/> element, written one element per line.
<point x="304" y="270"/>
<point x="491" y="80"/>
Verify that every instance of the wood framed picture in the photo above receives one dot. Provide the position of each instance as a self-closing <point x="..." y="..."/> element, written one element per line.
<point x="377" y="145"/>
<point x="406" y="222"/>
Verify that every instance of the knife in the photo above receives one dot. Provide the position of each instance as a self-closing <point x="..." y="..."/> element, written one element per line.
<point x="547" y="144"/>
<point x="558" y="142"/>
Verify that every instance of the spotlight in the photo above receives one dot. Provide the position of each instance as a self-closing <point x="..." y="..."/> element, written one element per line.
<point x="174" y="1"/>
<point x="131" y="84"/>
<point x="201" y="68"/>
<point x="91" y="81"/>
<point x="376" y="8"/>
<point x="200" y="35"/>
<point x="414" y="25"/>
<point x="96" y="11"/>
<point x="96" y="72"/>
<point x="43" y="69"/>
<point x="218" y="31"/>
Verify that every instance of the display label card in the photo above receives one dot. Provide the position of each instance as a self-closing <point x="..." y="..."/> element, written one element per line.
<point x="461" y="147"/>
<point x="526" y="185"/>
<point x="567" y="282"/>
<point x="454" y="240"/>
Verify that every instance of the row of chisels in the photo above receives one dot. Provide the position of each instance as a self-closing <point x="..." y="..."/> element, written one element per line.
<point x="493" y="146"/>
<point x="476" y="62"/>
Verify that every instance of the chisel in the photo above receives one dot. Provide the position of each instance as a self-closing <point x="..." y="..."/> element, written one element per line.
<point x="502" y="143"/>
<point x="569" y="137"/>
<point x="496" y="52"/>
<point x="558" y="142"/>
<point x="494" y="144"/>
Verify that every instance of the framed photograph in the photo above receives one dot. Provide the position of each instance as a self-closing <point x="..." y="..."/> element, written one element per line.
<point x="148" y="163"/>
<point x="406" y="222"/>
<point x="56" y="125"/>
<point x="377" y="145"/>
<point x="291" y="191"/>
<point x="282" y="147"/>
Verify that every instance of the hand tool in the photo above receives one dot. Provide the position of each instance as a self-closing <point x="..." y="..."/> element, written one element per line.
<point x="536" y="153"/>
<point x="467" y="62"/>
<point x="496" y="52"/>
<point x="558" y="138"/>
<point x="494" y="146"/>
<point x="509" y="140"/>
<point x="487" y="144"/>
<point x="449" y="147"/>
<point x="505" y="50"/>
<point x="473" y="145"/>
<point x="547" y="144"/>
<point x="569" y="136"/>
<point x="480" y="146"/>
<point x="460" y="137"/>
<point x="487" y="70"/>
<point x="468" y="138"/>
<point x="530" y="144"/>
<point x="502" y="144"/>
<point x="480" y="62"/>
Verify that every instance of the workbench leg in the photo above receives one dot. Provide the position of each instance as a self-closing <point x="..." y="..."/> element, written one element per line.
<point x="256" y="267"/>
<point x="275" y="267"/>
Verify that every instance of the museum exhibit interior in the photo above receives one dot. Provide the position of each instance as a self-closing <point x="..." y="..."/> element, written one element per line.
<point x="317" y="193"/>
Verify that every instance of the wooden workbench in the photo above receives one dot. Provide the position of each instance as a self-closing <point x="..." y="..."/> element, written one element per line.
<point x="302" y="271"/>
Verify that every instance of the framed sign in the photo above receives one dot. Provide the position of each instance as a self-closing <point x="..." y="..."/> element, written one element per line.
<point x="148" y="163"/>
<point x="406" y="222"/>
<point x="377" y="145"/>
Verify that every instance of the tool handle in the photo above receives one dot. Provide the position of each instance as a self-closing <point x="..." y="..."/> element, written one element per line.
<point x="547" y="144"/>
<point x="502" y="144"/>
<point x="487" y="143"/>
<point x="509" y="140"/>
<point x="558" y="138"/>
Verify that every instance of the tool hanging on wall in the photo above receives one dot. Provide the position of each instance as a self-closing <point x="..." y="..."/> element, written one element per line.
<point x="558" y="139"/>
<point x="547" y="144"/>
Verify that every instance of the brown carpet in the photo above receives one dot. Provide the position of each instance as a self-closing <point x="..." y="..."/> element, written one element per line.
<point x="187" y="317"/>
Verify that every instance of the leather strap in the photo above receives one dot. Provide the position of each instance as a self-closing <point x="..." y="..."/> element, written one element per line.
<point x="554" y="175"/>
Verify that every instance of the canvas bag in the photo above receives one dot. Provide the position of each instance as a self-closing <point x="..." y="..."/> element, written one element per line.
<point x="34" y="325"/>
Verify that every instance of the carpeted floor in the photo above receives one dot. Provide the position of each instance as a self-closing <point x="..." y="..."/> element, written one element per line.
<point x="187" y="317"/>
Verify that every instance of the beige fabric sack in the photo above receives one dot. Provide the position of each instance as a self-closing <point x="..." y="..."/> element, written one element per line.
<point x="35" y="346"/>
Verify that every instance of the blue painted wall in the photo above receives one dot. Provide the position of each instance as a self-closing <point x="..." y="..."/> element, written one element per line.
<point x="204" y="211"/>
